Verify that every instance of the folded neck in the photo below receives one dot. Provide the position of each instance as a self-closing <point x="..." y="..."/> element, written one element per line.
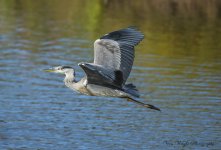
<point x="69" y="77"/>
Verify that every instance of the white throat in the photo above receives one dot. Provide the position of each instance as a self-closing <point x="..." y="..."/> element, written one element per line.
<point x="69" y="78"/>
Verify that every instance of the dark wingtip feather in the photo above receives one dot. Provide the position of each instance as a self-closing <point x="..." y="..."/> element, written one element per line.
<point x="118" y="77"/>
<point x="118" y="34"/>
<point x="135" y="28"/>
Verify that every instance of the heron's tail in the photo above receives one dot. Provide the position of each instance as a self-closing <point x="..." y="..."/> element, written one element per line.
<point x="143" y="104"/>
<point x="131" y="89"/>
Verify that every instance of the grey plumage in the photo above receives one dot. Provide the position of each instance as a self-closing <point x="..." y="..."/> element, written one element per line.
<point x="113" y="60"/>
<point x="116" y="50"/>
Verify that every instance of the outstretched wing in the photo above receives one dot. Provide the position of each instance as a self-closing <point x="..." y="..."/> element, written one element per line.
<point x="115" y="50"/>
<point x="102" y="76"/>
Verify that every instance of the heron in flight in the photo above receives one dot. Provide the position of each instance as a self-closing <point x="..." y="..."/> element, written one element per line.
<point x="107" y="75"/>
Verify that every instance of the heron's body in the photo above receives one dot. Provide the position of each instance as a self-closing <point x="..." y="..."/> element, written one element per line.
<point x="83" y="87"/>
<point x="107" y="75"/>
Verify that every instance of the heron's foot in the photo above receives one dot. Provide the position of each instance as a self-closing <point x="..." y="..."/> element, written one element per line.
<point x="143" y="104"/>
<point x="151" y="107"/>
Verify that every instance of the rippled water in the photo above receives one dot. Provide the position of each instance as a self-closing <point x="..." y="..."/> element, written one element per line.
<point x="38" y="112"/>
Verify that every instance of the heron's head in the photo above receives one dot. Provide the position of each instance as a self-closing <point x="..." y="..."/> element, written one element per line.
<point x="61" y="69"/>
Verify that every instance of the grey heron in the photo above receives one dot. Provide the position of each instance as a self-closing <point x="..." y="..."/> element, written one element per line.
<point x="107" y="75"/>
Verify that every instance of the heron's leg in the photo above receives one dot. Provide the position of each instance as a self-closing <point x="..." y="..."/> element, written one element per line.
<point x="143" y="104"/>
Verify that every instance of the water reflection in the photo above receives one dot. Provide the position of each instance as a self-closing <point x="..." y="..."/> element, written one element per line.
<point x="177" y="68"/>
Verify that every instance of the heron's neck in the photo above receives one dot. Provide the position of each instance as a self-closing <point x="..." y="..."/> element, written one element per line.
<point x="69" y="78"/>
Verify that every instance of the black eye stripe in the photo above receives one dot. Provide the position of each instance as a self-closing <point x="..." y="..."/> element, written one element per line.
<point x="64" y="67"/>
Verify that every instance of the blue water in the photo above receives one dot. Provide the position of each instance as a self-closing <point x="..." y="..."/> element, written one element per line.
<point x="37" y="111"/>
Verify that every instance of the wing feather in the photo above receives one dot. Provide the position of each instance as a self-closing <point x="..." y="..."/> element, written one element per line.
<point x="115" y="50"/>
<point x="98" y="75"/>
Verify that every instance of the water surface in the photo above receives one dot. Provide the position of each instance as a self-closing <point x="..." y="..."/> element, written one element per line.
<point x="177" y="68"/>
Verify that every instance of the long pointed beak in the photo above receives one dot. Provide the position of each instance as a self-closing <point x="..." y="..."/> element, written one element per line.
<point x="49" y="70"/>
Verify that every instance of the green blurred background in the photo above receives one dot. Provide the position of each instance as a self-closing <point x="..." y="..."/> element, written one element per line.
<point x="171" y="27"/>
